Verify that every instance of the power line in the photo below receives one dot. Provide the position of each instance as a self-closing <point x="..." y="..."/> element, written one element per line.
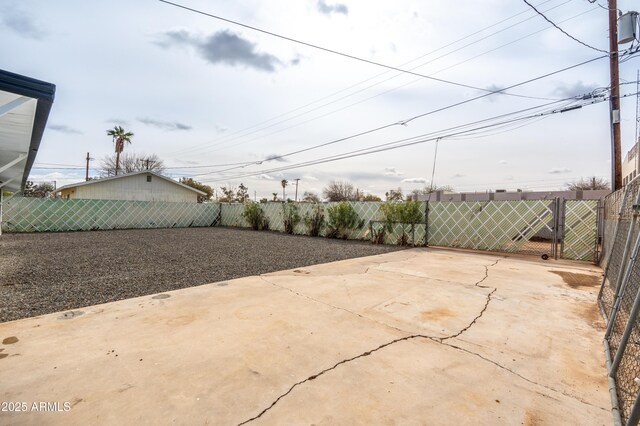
<point x="405" y="122"/>
<point x="229" y="138"/>
<point x="346" y="55"/>
<point x="560" y="29"/>
<point x="409" y="142"/>
<point x="200" y="147"/>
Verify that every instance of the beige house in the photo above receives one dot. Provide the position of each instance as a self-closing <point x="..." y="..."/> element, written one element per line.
<point x="138" y="186"/>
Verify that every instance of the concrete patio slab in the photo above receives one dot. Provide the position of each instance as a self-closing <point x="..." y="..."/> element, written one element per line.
<point x="420" y="336"/>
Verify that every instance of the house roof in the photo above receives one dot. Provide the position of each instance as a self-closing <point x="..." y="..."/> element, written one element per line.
<point x="144" y="172"/>
<point x="25" y="104"/>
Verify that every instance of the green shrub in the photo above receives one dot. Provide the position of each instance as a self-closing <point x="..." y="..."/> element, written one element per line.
<point x="290" y="217"/>
<point x="342" y="220"/>
<point x="254" y="215"/>
<point x="407" y="213"/>
<point x="315" y="220"/>
<point x="378" y="236"/>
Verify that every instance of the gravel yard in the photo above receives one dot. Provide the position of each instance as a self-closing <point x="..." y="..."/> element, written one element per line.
<point x="44" y="273"/>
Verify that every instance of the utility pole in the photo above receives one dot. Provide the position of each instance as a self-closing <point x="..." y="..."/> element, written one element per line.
<point x="296" y="198"/>
<point x="636" y="142"/>
<point x="614" y="101"/>
<point x="86" y="177"/>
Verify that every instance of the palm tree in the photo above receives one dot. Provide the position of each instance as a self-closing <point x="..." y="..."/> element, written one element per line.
<point x="284" y="184"/>
<point x="120" y="137"/>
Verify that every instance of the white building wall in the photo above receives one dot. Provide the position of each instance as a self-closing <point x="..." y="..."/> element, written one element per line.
<point x="629" y="165"/>
<point x="135" y="188"/>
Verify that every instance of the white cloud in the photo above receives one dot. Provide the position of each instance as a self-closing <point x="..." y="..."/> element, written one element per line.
<point x="457" y="175"/>
<point x="328" y="9"/>
<point x="265" y="177"/>
<point x="392" y="171"/>
<point x="63" y="128"/>
<point x="502" y="162"/>
<point x="222" y="47"/>
<point x="276" y="157"/>
<point x="309" y="177"/>
<point x="415" y="180"/>
<point x="557" y="171"/>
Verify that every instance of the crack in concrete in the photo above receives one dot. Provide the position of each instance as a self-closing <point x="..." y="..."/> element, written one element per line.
<point x="411" y="337"/>
<point x="330" y="305"/>
<point x="497" y="364"/>
<point x="486" y="305"/>
<point x="315" y="376"/>
<point x="377" y="264"/>
<point x="439" y="340"/>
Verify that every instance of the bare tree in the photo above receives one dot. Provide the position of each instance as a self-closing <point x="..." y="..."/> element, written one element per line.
<point x="394" y="195"/>
<point x="339" y="191"/>
<point x="310" y="197"/>
<point x="428" y="190"/>
<point x="593" y="182"/>
<point x="371" y="197"/>
<point x="199" y="186"/>
<point x="130" y="162"/>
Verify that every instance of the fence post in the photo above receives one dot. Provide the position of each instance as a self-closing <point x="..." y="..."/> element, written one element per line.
<point x="426" y="223"/>
<point x="559" y="222"/>
<point x="599" y="233"/>
<point x="634" y="416"/>
<point x="615" y="232"/>
<point x="413" y="234"/>
<point x="625" y="268"/>
<point x="625" y="337"/>
<point x="626" y="275"/>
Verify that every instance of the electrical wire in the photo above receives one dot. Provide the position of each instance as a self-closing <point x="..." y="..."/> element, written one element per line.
<point x="206" y="146"/>
<point x="399" y="144"/>
<point x="560" y="29"/>
<point x="346" y="55"/>
<point x="229" y="138"/>
<point x="405" y="122"/>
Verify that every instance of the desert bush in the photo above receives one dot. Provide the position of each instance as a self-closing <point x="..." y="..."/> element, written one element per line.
<point x="254" y="215"/>
<point x="315" y="220"/>
<point x="290" y="217"/>
<point x="342" y="219"/>
<point x="404" y="213"/>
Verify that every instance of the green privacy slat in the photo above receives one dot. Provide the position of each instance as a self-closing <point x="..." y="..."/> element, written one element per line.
<point x="491" y="225"/>
<point x="22" y="214"/>
<point x="580" y="229"/>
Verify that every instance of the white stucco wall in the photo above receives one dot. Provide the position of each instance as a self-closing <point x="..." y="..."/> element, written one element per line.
<point x="132" y="188"/>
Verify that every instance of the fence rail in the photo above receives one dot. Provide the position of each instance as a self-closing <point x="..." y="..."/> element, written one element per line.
<point x="619" y="300"/>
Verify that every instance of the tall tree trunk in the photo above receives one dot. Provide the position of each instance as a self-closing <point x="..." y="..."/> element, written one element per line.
<point x="117" y="161"/>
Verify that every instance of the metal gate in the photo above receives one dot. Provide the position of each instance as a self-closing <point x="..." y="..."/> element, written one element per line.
<point x="522" y="226"/>
<point x="579" y="224"/>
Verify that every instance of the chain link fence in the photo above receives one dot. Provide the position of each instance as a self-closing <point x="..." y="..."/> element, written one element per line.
<point x="28" y="214"/>
<point x="511" y="226"/>
<point x="580" y="225"/>
<point x="529" y="227"/>
<point x="619" y="300"/>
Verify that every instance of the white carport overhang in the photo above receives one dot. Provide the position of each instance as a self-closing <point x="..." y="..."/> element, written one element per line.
<point x="25" y="104"/>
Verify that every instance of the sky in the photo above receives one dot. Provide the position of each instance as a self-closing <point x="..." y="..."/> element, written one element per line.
<point x="224" y="104"/>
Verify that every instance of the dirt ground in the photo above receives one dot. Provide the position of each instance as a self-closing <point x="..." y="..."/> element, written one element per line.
<point x="50" y="272"/>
